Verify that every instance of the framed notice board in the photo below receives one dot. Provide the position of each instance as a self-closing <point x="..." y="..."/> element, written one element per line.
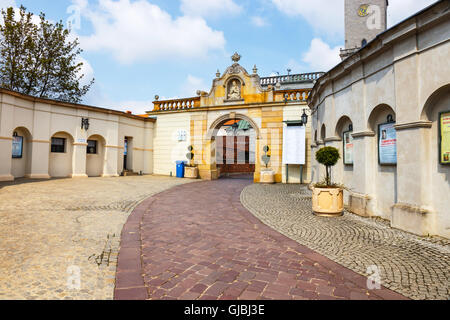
<point x="387" y="144"/>
<point x="444" y="137"/>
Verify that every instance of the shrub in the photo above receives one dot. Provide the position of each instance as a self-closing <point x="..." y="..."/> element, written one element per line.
<point x="328" y="156"/>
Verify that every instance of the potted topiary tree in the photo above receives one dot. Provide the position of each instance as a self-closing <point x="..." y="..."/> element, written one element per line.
<point x="328" y="198"/>
<point x="191" y="170"/>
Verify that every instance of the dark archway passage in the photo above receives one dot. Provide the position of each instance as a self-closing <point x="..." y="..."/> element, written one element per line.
<point x="197" y="241"/>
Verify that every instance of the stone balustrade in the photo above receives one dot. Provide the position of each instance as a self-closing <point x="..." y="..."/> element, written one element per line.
<point x="292" y="95"/>
<point x="293" y="78"/>
<point x="177" y="104"/>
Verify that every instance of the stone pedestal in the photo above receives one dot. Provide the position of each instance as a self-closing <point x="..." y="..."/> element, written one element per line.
<point x="191" y="172"/>
<point x="267" y="177"/>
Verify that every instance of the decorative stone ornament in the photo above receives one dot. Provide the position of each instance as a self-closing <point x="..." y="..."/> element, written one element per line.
<point x="236" y="57"/>
<point x="255" y="70"/>
<point x="218" y="74"/>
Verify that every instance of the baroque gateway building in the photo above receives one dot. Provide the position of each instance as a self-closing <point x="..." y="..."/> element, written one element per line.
<point x="384" y="107"/>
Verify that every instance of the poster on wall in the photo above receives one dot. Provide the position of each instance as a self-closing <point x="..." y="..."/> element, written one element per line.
<point x="445" y="137"/>
<point x="294" y="145"/>
<point x="348" y="148"/>
<point x="387" y="144"/>
<point x="17" y="147"/>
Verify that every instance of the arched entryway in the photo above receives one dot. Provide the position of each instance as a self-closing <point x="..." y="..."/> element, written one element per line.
<point x="61" y="155"/>
<point x="95" y="156"/>
<point x="21" y="152"/>
<point x="234" y="145"/>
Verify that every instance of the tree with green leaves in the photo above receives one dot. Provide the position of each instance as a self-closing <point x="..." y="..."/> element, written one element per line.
<point x="328" y="156"/>
<point x="38" y="59"/>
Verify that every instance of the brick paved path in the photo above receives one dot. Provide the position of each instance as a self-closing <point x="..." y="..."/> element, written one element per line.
<point x="198" y="242"/>
<point x="417" y="267"/>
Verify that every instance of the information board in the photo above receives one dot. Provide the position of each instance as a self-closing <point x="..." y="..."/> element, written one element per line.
<point x="387" y="144"/>
<point x="348" y="148"/>
<point x="445" y="137"/>
<point x="294" y="145"/>
<point x="17" y="147"/>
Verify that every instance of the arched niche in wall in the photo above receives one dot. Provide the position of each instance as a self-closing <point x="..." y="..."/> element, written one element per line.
<point x="61" y="155"/>
<point x="21" y="152"/>
<point x="234" y="89"/>
<point x="95" y="156"/>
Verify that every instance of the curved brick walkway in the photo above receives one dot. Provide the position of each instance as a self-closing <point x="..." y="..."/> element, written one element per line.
<point x="198" y="242"/>
<point x="416" y="267"/>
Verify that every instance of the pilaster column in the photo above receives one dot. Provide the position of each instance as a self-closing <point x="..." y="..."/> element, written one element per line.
<point x="6" y="159"/>
<point x="362" y="199"/>
<point x="413" y="211"/>
<point x="111" y="167"/>
<point x="40" y="150"/>
<point x="79" y="160"/>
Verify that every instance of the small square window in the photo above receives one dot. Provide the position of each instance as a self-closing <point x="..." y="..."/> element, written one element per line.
<point x="58" y="145"/>
<point x="92" y="147"/>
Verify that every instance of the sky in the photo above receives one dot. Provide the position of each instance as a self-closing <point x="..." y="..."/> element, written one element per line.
<point x="136" y="49"/>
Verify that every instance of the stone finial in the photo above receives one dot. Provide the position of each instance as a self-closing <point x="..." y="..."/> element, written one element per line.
<point x="236" y="57"/>
<point x="218" y="74"/>
<point x="278" y="85"/>
<point x="255" y="70"/>
<point x="156" y="98"/>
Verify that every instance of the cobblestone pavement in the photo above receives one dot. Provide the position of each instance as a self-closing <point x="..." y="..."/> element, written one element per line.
<point x="416" y="267"/>
<point x="48" y="226"/>
<point x="198" y="242"/>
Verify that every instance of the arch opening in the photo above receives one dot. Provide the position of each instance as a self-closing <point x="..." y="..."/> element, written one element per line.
<point x="95" y="156"/>
<point x="61" y="155"/>
<point x="21" y="152"/>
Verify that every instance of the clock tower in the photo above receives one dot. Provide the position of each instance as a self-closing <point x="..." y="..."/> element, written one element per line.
<point x="364" y="20"/>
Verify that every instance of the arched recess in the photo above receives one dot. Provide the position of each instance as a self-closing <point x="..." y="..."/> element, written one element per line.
<point x="384" y="174"/>
<point x="380" y="115"/>
<point x="217" y="124"/>
<point x="212" y="144"/>
<point x="323" y="133"/>
<point x="22" y="152"/>
<point x="344" y="124"/>
<point x="61" y="155"/>
<point x="95" y="156"/>
<point x="231" y="82"/>
<point x="437" y="106"/>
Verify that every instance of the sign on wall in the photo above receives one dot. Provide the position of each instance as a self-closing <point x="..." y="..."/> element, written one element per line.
<point x="17" y="147"/>
<point x="348" y="148"/>
<point x="387" y="143"/>
<point x="294" y="145"/>
<point x="444" y="125"/>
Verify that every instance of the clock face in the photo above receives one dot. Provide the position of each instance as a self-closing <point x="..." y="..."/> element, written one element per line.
<point x="363" y="10"/>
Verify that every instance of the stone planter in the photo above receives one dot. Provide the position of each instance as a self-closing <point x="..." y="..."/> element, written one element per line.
<point x="267" y="177"/>
<point x="328" y="202"/>
<point x="191" y="172"/>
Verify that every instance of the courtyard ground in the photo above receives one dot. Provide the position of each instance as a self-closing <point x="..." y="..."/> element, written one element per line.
<point x="414" y="266"/>
<point x="51" y="231"/>
<point x="197" y="241"/>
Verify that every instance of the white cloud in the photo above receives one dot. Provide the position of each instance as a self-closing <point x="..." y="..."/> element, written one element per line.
<point x="259" y="21"/>
<point x="7" y="3"/>
<point x="141" y="31"/>
<point x="399" y="10"/>
<point x="320" y="56"/>
<point x="85" y="70"/>
<point x="327" y="16"/>
<point x="210" y="8"/>
<point x="192" y="85"/>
